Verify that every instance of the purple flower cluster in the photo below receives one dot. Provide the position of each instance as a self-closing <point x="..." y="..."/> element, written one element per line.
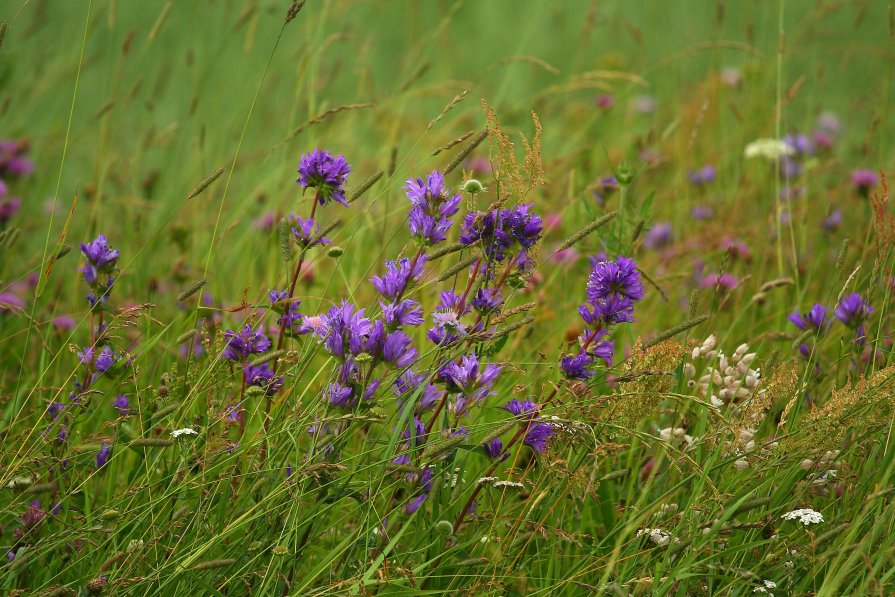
<point x="612" y="290"/>
<point x="852" y="311"/>
<point x="241" y="346"/>
<point x="99" y="271"/>
<point x="864" y="181"/>
<point x="702" y="176"/>
<point x="537" y="432"/>
<point x="306" y="233"/>
<point x="325" y="172"/>
<point x="432" y="207"/>
<point x="468" y="382"/>
<point x="399" y="276"/>
<point x="500" y="231"/>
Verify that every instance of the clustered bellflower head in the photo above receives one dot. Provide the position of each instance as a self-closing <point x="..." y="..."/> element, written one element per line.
<point x="604" y="189"/>
<point x="537" y="432"/>
<point x="468" y="381"/>
<point x="99" y="271"/>
<point x="361" y="345"/>
<point x="702" y="176"/>
<point x="816" y="319"/>
<point x="326" y="173"/>
<point x="241" y="346"/>
<point x="853" y="311"/>
<point x="612" y="290"/>
<point x="432" y="207"/>
<point x="306" y="233"/>
<point x="501" y="231"/>
<point x="14" y="162"/>
<point x="399" y="276"/>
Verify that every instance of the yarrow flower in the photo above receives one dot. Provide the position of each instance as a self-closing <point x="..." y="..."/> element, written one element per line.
<point x="325" y="172"/>
<point x="185" y="432"/>
<point x="432" y="207"/>
<point x="806" y="516"/>
<point x="770" y="149"/>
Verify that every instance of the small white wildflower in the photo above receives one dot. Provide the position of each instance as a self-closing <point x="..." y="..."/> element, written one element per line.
<point x="741" y="464"/>
<point x="484" y="539"/>
<point x="770" y="149"/>
<point x="806" y="516"/>
<point x="789" y="564"/>
<point x="508" y="484"/>
<point x="769" y="584"/>
<point x="487" y="479"/>
<point x="185" y="431"/>
<point x="657" y="536"/>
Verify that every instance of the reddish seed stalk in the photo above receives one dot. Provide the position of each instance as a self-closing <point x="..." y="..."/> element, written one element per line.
<point x="268" y="400"/>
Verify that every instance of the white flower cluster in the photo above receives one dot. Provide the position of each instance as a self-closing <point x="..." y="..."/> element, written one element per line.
<point x="806" y="516"/>
<point x="183" y="432"/>
<point x="770" y="149"/>
<point x="763" y="588"/>
<point x="657" y="536"/>
<point x="732" y="380"/>
<point x="676" y="435"/>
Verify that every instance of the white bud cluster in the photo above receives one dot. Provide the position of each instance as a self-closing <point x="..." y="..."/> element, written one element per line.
<point x="732" y="380"/>
<point x="676" y="435"/>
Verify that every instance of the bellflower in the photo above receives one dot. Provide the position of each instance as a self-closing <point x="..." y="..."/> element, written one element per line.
<point x="399" y="274"/>
<point x="816" y="319"/>
<point x="499" y="231"/>
<point x="401" y="313"/>
<point x="321" y="170"/>
<point x="244" y="343"/>
<point x="432" y="207"/>
<point x="306" y="233"/>
<point x="103" y="455"/>
<point x="415" y="386"/>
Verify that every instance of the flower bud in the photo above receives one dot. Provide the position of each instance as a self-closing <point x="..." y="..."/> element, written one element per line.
<point x="473" y="186"/>
<point x="335" y="251"/>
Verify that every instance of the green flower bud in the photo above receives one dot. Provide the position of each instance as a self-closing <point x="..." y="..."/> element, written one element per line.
<point x="335" y="252"/>
<point x="473" y="186"/>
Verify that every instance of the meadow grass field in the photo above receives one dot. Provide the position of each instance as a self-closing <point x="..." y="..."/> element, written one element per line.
<point x="348" y="297"/>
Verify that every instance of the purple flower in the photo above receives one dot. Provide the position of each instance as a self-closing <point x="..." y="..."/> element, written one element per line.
<point x="447" y="330"/>
<point x="618" y="277"/>
<point x="414" y="504"/>
<point x="432" y="206"/>
<point x="398" y="276"/>
<point x="401" y="313"/>
<point x="469" y="378"/>
<point x="306" y="233"/>
<point x="415" y="386"/>
<point x="122" y="404"/>
<point x="832" y="222"/>
<point x="339" y="395"/>
<point x="864" y="180"/>
<point x="659" y="236"/>
<point x="493" y="448"/>
<point x="816" y="319"/>
<point x="604" y="188"/>
<point x="538" y="436"/>
<point x="852" y="310"/>
<point x="800" y="144"/>
<point x="55" y="409"/>
<point x="577" y="367"/>
<point x="319" y="169"/>
<point x="244" y="343"/>
<point x="702" y="176"/>
<point x="290" y="317"/>
<point x="487" y="300"/>
<point x="13" y="162"/>
<point x="501" y="230"/>
<point x="521" y="408"/>
<point x="99" y="255"/>
<point x="63" y="323"/>
<point x="9" y="208"/>
<point x="703" y="212"/>
<point x="263" y="377"/>
<point x="345" y="325"/>
<point x="105" y="360"/>
<point x="727" y="281"/>
<point x="736" y="248"/>
<point x="10" y="302"/>
<point x="103" y="455"/>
